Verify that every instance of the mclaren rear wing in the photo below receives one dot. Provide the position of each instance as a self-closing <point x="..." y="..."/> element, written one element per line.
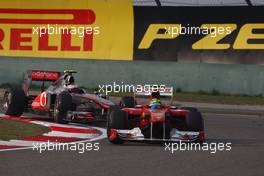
<point x="39" y="75"/>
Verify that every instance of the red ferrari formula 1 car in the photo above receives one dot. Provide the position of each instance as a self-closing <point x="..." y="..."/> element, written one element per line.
<point x="132" y="122"/>
<point x="63" y="99"/>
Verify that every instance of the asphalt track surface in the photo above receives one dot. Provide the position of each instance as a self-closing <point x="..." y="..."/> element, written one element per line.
<point x="245" y="158"/>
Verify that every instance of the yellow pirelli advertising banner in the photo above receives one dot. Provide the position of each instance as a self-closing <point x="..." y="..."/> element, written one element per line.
<point x="87" y="29"/>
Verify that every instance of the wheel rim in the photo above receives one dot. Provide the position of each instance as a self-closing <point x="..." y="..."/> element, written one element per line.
<point x="7" y="101"/>
<point x="56" y="110"/>
<point x="122" y="104"/>
<point x="108" y="125"/>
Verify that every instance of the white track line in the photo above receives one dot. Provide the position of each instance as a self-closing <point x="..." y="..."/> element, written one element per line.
<point x="70" y="135"/>
<point x="15" y="143"/>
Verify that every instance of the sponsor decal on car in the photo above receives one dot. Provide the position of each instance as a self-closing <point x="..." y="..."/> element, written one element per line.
<point x="45" y="75"/>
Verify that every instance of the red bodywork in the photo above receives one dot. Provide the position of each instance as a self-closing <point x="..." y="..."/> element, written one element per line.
<point x="148" y="115"/>
<point x="165" y="115"/>
<point x="40" y="102"/>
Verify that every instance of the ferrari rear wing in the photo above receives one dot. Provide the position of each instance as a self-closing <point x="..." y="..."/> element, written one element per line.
<point x="147" y="91"/>
<point x="165" y="92"/>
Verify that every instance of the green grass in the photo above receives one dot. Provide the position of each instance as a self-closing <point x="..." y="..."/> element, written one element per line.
<point x="11" y="129"/>
<point x="5" y="85"/>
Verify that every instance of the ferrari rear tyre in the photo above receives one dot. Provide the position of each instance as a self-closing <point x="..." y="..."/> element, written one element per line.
<point x="127" y="102"/>
<point x="14" y="102"/>
<point x="190" y="109"/>
<point x="63" y="104"/>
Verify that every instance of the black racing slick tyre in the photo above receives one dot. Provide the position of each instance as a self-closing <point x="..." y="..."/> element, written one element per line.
<point x="14" y="102"/>
<point x="117" y="120"/>
<point x="194" y="121"/>
<point x="63" y="104"/>
<point x="190" y="109"/>
<point x="127" y="102"/>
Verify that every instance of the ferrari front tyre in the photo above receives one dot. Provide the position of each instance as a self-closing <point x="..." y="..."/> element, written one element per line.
<point x="63" y="104"/>
<point x="14" y="102"/>
<point x="117" y="120"/>
<point x="194" y="121"/>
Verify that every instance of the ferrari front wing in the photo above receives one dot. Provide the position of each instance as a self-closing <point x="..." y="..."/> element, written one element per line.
<point x="175" y="135"/>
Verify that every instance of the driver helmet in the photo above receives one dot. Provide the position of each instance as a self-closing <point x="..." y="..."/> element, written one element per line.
<point x="69" y="80"/>
<point x="155" y="100"/>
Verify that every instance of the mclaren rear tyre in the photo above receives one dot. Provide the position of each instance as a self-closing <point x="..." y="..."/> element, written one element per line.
<point x="117" y="120"/>
<point x="14" y="102"/>
<point x="63" y="104"/>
